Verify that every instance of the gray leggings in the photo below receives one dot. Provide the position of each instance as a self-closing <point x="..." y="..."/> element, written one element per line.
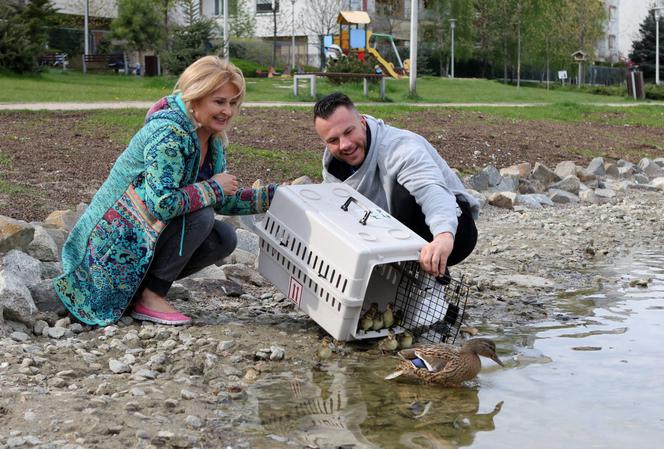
<point x="206" y="241"/>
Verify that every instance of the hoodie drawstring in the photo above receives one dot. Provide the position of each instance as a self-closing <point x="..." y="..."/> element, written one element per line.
<point x="182" y="235"/>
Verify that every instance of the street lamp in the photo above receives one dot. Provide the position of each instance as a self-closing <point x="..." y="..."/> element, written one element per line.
<point x="452" y="26"/>
<point x="658" y="14"/>
<point x="227" y="56"/>
<point x="293" y="36"/>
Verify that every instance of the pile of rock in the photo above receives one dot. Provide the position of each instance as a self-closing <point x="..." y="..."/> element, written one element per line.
<point x="29" y="260"/>
<point x="523" y="186"/>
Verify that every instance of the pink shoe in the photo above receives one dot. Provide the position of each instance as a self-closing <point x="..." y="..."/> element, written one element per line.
<point x="141" y="312"/>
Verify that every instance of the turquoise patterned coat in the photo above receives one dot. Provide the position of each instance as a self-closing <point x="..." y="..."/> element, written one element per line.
<point x="109" y="250"/>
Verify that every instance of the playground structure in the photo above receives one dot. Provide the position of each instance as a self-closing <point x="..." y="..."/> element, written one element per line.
<point x="354" y="40"/>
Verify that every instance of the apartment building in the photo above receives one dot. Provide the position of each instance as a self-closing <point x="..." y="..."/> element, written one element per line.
<point x="622" y="28"/>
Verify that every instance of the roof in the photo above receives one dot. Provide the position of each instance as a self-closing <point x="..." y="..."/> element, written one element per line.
<point x="353" y="17"/>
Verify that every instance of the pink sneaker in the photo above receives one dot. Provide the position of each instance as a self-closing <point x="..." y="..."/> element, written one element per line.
<point x="141" y="312"/>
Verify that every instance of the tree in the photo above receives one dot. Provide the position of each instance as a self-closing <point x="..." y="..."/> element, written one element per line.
<point x="139" y="25"/>
<point x="190" y="42"/>
<point x="321" y="20"/>
<point x="436" y="31"/>
<point x="23" y="34"/>
<point x="242" y="23"/>
<point x="643" y="50"/>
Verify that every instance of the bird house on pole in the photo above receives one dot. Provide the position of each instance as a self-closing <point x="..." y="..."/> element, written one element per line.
<point x="579" y="57"/>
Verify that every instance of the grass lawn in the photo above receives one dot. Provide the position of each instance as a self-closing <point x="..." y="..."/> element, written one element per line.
<point x="57" y="86"/>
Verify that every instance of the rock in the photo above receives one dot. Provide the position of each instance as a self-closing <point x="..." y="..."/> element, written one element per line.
<point x="640" y="179"/>
<point x="625" y="172"/>
<point x="15" y="300"/>
<point x="533" y="200"/>
<point x="478" y="196"/>
<point x="569" y="184"/>
<point x="503" y="200"/>
<point x="179" y="291"/>
<point x="658" y="182"/>
<point x="565" y="168"/>
<point x="478" y="181"/>
<point x="243" y="257"/>
<point x="51" y="270"/>
<point x="63" y="323"/>
<point x="241" y="274"/>
<point x="216" y="286"/>
<point x="543" y="174"/>
<point x="210" y="272"/>
<point x="596" y="167"/>
<point x="15" y="234"/>
<point x="659" y="161"/>
<point x="46" y="299"/>
<point x="225" y="345"/>
<point x="19" y="336"/>
<point x="507" y="184"/>
<point x="61" y="219"/>
<point x="118" y="367"/>
<point x="247" y="241"/>
<point x="521" y="170"/>
<point x="194" y="421"/>
<point x="23" y="266"/>
<point x="523" y="280"/>
<point x="277" y="353"/>
<point x="604" y="195"/>
<point x="650" y="169"/>
<point x="563" y="197"/>
<point x="612" y="170"/>
<point x="493" y="175"/>
<point x="56" y="332"/>
<point x="43" y="246"/>
<point x="527" y="186"/>
<point x="302" y="180"/>
<point x="588" y="196"/>
<point x="39" y="326"/>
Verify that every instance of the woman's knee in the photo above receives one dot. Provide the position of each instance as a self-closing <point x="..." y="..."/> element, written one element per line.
<point x="226" y="238"/>
<point x="200" y="222"/>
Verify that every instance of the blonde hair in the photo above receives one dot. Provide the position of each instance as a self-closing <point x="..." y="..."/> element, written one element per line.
<point x="205" y="76"/>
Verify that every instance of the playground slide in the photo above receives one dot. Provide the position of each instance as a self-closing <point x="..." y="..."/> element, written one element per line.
<point x="387" y="67"/>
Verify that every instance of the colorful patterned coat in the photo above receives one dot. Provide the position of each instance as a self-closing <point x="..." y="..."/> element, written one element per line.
<point x="110" y="248"/>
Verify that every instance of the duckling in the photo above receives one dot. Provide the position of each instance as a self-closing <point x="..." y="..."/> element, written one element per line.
<point x="389" y="343"/>
<point x="366" y="321"/>
<point x="377" y="322"/>
<point x="444" y="364"/>
<point x="324" y="349"/>
<point x="388" y="316"/>
<point x="406" y="340"/>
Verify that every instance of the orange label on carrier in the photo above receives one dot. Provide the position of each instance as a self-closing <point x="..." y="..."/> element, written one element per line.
<point x="294" y="290"/>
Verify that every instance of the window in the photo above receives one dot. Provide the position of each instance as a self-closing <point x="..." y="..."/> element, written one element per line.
<point x="267" y="5"/>
<point x="612" y="41"/>
<point x="219" y="7"/>
<point x="612" y="13"/>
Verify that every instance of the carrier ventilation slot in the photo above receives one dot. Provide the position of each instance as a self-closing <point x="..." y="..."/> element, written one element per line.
<point x="302" y="277"/>
<point x="302" y="252"/>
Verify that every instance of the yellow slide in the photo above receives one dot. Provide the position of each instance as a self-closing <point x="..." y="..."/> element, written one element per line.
<point x="387" y="66"/>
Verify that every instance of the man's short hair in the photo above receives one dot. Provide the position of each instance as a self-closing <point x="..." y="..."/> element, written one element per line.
<point x="326" y="106"/>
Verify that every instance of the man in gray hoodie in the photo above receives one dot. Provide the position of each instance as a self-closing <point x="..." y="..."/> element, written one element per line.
<point x="402" y="173"/>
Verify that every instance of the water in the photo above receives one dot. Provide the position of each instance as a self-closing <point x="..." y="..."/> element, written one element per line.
<point x="593" y="381"/>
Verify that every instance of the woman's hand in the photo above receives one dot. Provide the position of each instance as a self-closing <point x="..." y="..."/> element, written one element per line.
<point x="227" y="182"/>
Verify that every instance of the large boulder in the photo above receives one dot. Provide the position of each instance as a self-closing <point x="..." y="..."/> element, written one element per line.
<point x="562" y="197"/>
<point x="43" y="247"/>
<point x="14" y="234"/>
<point x="504" y="200"/>
<point x="565" y="168"/>
<point x="15" y="300"/>
<point x="521" y="170"/>
<point x="596" y="167"/>
<point x="24" y="267"/>
<point x="651" y="169"/>
<point x="544" y="174"/>
<point x="569" y="183"/>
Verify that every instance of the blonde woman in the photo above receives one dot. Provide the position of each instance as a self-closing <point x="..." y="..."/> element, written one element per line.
<point x="153" y="219"/>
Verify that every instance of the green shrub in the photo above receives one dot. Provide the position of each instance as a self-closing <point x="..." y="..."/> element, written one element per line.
<point x="254" y="50"/>
<point x="350" y="65"/>
<point x="188" y="43"/>
<point x="249" y="68"/>
<point x="654" y="92"/>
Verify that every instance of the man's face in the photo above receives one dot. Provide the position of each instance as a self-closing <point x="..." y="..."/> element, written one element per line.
<point x="345" y="134"/>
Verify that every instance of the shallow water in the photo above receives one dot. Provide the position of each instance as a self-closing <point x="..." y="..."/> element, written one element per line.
<point x="593" y="380"/>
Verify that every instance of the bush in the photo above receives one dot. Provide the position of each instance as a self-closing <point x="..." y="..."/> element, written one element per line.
<point x="253" y="50"/>
<point x="654" y="92"/>
<point x="350" y="65"/>
<point x="249" y="68"/>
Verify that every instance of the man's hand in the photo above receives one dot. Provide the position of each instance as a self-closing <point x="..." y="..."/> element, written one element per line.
<point x="433" y="256"/>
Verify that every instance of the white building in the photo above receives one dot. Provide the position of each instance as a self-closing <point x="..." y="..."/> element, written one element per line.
<point x="625" y="19"/>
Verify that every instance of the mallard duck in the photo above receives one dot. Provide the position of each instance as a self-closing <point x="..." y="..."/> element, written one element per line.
<point x="444" y="364"/>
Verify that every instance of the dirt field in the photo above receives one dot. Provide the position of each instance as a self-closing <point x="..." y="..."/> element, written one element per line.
<point x="45" y="164"/>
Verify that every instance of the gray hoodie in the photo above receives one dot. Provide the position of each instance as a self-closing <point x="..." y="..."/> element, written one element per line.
<point x="402" y="157"/>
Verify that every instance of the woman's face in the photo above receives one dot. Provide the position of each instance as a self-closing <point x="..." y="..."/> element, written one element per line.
<point x="214" y="112"/>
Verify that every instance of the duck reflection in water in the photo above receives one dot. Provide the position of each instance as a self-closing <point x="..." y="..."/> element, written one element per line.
<point x="350" y="405"/>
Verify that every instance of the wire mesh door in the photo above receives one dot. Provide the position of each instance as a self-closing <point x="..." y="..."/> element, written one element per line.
<point x="432" y="309"/>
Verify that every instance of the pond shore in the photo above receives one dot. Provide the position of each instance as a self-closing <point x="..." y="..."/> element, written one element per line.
<point x="144" y="385"/>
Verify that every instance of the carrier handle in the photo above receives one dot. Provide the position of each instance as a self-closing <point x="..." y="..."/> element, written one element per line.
<point x="367" y="212"/>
